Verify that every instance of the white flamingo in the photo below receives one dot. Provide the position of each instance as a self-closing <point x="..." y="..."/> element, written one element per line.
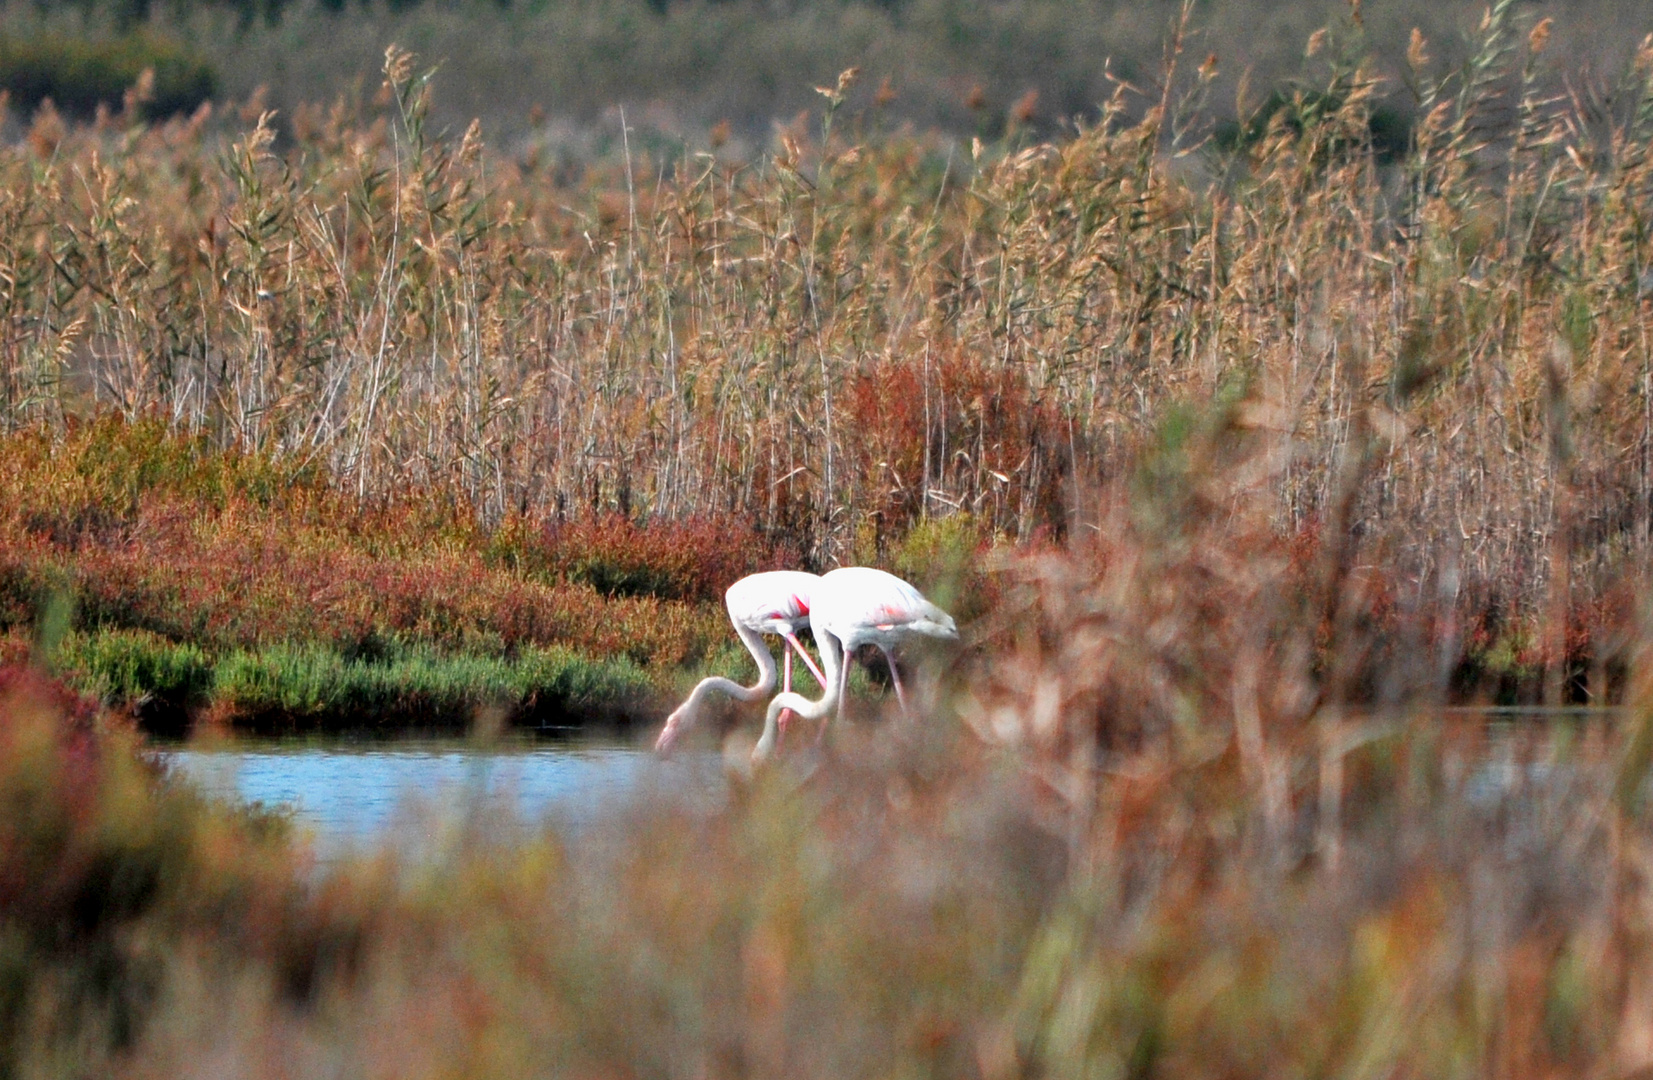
<point x="773" y="602"/>
<point x="855" y="606"/>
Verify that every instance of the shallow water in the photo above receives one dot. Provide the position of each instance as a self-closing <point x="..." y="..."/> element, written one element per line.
<point x="422" y="794"/>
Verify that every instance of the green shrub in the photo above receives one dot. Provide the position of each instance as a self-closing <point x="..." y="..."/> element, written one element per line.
<point x="79" y="75"/>
<point x="312" y="686"/>
<point x="123" y="666"/>
<point x="563" y="680"/>
<point x="293" y="687"/>
<point x="1388" y="127"/>
<point x="939" y="555"/>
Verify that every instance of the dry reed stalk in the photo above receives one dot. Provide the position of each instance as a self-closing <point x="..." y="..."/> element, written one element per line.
<point x="859" y="336"/>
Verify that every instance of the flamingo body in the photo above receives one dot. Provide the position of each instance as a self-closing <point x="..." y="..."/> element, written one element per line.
<point x="855" y="606"/>
<point x="862" y="606"/>
<point x="772" y="602"/>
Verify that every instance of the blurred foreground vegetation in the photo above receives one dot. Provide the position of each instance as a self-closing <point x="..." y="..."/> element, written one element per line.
<point x="1144" y="836"/>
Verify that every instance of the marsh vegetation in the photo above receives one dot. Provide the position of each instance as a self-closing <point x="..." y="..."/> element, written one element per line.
<point x="1241" y="454"/>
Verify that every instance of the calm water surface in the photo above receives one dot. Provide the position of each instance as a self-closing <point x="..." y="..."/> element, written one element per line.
<point x="420" y="795"/>
<point x="352" y="795"/>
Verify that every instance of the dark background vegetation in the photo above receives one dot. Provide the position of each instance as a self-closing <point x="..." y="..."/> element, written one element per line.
<point x="553" y="74"/>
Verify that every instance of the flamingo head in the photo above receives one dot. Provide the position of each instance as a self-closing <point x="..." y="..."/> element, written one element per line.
<point x="936" y="624"/>
<point x="681" y="718"/>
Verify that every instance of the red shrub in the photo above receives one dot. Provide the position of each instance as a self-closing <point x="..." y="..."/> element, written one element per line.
<point x="693" y="559"/>
<point x="978" y="435"/>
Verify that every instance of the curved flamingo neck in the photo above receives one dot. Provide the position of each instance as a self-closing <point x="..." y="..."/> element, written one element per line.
<point x="687" y="713"/>
<point x="832" y="658"/>
<point x="767" y="675"/>
<point x="717" y="684"/>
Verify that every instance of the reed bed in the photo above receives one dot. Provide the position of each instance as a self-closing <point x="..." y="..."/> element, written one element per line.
<point x="857" y="336"/>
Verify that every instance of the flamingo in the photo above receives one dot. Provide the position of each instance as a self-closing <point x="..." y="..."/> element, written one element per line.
<point x="773" y="602"/>
<point x="855" y="606"/>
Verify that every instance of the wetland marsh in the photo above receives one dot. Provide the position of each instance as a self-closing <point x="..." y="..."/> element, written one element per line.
<point x="1242" y="457"/>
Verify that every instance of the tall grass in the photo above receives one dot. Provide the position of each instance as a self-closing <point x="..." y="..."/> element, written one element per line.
<point x="859" y="335"/>
<point x="297" y="687"/>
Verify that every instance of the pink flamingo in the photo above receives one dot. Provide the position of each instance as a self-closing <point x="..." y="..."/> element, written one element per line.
<point x="773" y="602"/>
<point x="855" y="606"/>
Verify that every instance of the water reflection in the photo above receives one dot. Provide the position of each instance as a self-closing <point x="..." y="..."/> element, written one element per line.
<point x="414" y="794"/>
